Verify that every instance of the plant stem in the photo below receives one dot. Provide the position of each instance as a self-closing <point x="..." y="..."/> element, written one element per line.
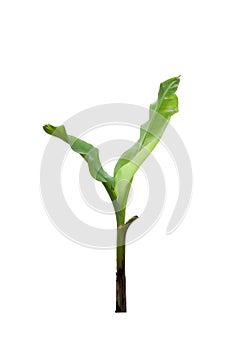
<point x="120" y="255"/>
<point x="120" y="274"/>
<point x="122" y="228"/>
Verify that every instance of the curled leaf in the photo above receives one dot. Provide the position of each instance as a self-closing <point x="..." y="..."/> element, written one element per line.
<point x="86" y="150"/>
<point x="150" y="134"/>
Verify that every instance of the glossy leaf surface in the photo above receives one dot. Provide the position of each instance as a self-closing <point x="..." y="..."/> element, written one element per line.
<point x="86" y="150"/>
<point x="150" y="134"/>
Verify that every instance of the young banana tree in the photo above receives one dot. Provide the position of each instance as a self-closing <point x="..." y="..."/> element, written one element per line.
<point x="118" y="186"/>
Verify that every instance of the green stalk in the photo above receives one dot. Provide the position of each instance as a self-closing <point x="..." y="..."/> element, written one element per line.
<point x="122" y="228"/>
<point x="120" y="264"/>
<point x="120" y="261"/>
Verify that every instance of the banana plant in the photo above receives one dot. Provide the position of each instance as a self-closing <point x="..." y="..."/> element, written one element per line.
<point x="118" y="186"/>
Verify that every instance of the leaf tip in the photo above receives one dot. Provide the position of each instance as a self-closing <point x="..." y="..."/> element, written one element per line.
<point x="49" y="128"/>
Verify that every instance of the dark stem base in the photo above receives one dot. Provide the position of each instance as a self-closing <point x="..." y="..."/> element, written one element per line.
<point x="120" y="255"/>
<point x="120" y="291"/>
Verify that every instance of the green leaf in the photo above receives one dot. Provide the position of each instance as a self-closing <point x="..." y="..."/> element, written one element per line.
<point x="150" y="134"/>
<point x="86" y="150"/>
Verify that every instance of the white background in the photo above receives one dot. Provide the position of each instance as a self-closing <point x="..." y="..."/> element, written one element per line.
<point x="58" y="58"/>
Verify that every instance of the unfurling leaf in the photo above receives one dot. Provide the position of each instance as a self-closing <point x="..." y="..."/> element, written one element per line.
<point x="86" y="150"/>
<point x="150" y="134"/>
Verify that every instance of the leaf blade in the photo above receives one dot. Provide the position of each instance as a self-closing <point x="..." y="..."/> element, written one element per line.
<point x="86" y="150"/>
<point x="150" y="134"/>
